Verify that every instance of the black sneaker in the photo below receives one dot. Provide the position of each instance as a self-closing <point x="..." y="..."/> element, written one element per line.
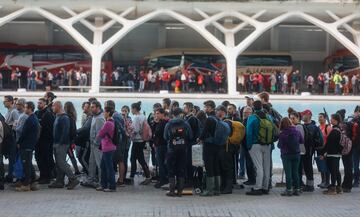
<point x="249" y="183"/>
<point x="308" y="188"/>
<point x="297" y="192"/>
<point x="254" y="192"/>
<point x="160" y="184"/>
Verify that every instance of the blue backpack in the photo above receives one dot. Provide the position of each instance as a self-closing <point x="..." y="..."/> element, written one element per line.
<point x="222" y="133"/>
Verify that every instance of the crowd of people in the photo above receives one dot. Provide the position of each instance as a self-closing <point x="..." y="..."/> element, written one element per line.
<point x="233" y="143"/>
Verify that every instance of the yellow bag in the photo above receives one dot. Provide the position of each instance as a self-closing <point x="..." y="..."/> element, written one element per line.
<point x="237" y="132"/>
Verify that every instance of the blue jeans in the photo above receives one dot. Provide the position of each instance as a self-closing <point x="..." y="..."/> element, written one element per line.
<point x="337" y="89"/>
<point x="107" y="171"/>
<point x="356" y="159"/>
<point x="161" y="158"/>
<point x="242" y="162"/>
<point x="32" y="84"/>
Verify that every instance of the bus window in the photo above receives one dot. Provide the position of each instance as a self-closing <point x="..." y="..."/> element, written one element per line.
<point x="168" y="61"/>
<point x="249" y="61"/>
<point x="350" y="62"/>
<point x="40" y="56"/>
<point x="74" y="56"/>
<point x="276" y="61"/>
<point x="55" y="56"/>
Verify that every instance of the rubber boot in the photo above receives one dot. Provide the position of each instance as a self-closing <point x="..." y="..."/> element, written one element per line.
<point x="171" y="192"/>
<point x="228" y="187"/>
<point x="210" y="183"/>
<point x="217" y="191"/>
<point x="180" y="186"/>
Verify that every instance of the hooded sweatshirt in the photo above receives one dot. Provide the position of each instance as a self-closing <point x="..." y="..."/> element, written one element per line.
<point x="290" y="140"/>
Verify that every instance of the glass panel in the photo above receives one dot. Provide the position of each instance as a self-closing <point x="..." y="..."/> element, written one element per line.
<point x="74" y="56"/>
<point x="39" y="56"/>
<point x="55" y="56"/>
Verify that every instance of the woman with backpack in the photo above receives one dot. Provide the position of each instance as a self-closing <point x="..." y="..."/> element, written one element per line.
<point x="137" y="150"/>
<point x="289" y="144"/>
<point x="71" y="112"/>
<point x="106" y="134"/>
<point x="332" y="153"/>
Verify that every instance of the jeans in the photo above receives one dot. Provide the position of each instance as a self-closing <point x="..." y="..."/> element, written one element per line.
<point x="108" y="172"/>
<point x="211" y="160"/>
<point x="242" y="162"/>
<point x="337" y="89"/>
<point x="161" y="157"/>
<point x="348" y="176"/>
<point x="326" y="88"/>
<point x="62" y="167"/>
<point x="12" y="159"/>
<point x="356" y="160"/>
<point x="94" y="163"/>
<point x="260" y="154"/>
<point x="333" y="164"/>
<point x="291" y="166"/>
<point x="32" y="84"/>
<point x="137" y="154"/>
<point x="29" y="171"/>
<point x="83" y="154"/>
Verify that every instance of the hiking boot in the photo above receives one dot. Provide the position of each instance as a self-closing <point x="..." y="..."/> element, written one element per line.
<point x="146" y="181"/>
<point x="217" y="184"/>
<point x="287" y="193"/>
<point x="56" y="185"/>
<point x="339" y="190"/>
<point x="254" y="192"/>
<point x="210" y="183"/>
<point x="296" y="192"/>
<point x="180" y="186"/>
<point x="72" y="184"/>
<point x="171" y="192"/>
<point x="228" y="187"/>
<point x="308" y="188"/>
<point x="23" y="188"/>
<point x="330" y="191"/>
<point x="34" y="187"/>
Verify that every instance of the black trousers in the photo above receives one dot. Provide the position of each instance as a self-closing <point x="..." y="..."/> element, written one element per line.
<point x="348" y="167"/>
<point x="211" y="160"/>
<point x="44" y="159"/>
<point x="250" y="170"/>
<point x="2" y="169"/>
<point x="307" y="166"/>
<point x="137" y="154"/>
<point x="334" y="168"/>
<point x="227" y="165"/>
<point x="176" y="162"/>
<point x="29" y="171"/>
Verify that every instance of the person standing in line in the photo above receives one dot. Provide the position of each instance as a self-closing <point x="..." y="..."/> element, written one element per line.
<point x="44" y="147"/>
<point x="289" y="144"/>
<point x="107" y="135"/>
<point x="61" y="147"/>
<point x="71" y="112"/>
<point x="26" y="145"/>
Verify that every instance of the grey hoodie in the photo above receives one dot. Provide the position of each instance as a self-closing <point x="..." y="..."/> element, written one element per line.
<point x="96" y="124"/>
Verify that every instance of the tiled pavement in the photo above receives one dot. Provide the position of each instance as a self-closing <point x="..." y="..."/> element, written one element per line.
<point x="146" y="201"/>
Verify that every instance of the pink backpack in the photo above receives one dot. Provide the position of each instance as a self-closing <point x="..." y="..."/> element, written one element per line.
<point x="146" y="132"/>
<point x="345" y="142"/>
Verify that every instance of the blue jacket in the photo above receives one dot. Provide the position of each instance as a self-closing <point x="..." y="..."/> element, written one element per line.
<point x="252" y="130"/>
<point x="29" y="135"/>
<point x="62" y="129"/>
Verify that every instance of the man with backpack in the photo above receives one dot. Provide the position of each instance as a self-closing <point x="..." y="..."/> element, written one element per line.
<point x="260" y="132"/>
<point x="313" y="141"/>
<point x="44" y="147"/>
<point x="213" y="137"/>
<point x="177" y="133"/>
<point x="26" y="145"/>
<point x="195" y="128"/>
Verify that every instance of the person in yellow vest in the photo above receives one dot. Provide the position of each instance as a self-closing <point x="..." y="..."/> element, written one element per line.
<point x="337" y="80"/>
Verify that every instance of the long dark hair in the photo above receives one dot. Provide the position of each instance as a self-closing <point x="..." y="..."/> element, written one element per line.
<point x="285" y="123"/>
<point x="70" y="110"/>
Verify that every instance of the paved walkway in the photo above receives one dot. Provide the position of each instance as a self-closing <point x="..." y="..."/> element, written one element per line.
<point x="146" y="201"/>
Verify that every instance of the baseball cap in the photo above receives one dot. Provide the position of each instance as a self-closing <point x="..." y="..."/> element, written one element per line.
<point x="306" y="112"/>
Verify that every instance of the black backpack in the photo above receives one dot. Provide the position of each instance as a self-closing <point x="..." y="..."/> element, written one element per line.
<point x="8" y="139"/>
<point x="178" y="134"/>
<point x="117" y="134"/>
<point x="312" y="136"/>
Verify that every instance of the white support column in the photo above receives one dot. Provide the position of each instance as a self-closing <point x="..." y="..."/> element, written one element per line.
<point x="96" y="57"/>
<point x="231" y="73"/>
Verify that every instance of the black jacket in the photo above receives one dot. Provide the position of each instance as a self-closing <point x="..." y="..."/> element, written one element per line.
<point x="333" y="146"/>
<point x="158" y="135"/>
<point x="46" y="120"/>
<point x="210" y="127"/>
